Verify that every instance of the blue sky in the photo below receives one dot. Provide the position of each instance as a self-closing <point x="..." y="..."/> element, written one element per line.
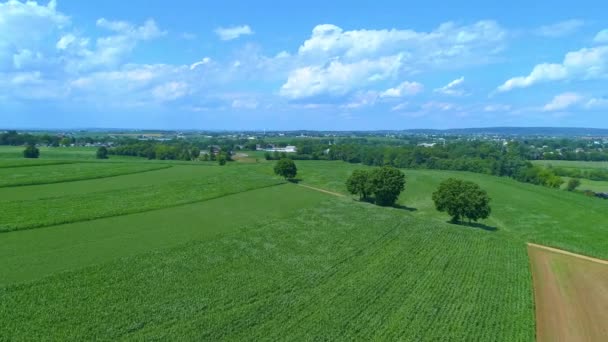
<point x="327" y="65"/>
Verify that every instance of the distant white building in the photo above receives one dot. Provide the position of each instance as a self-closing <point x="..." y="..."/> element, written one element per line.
<point x="427" y="144"/>
<point x="286" y="149"/>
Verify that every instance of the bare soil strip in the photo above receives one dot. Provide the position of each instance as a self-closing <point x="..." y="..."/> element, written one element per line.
<point x="571" y="295"/>
<point x="322" y="190"/>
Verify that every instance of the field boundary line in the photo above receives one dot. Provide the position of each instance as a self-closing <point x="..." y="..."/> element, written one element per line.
<point x="561" y="251"/>
<point x="16" y="166"/>
<point x="322" y="190"/>
<point x="137" y="211"/>
<point x="84" y="179"/>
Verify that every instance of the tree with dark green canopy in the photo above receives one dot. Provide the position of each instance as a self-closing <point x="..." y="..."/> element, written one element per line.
<point x="221" y="159"/>
<point x="359" y="183"/>
<point x="102" y="153"/>
<point x="286" y="168"/>
<point x="387" y="183"/>
<point x="462" y="200"/>
<point x="31" y="151"/>
<point x="573" y="183"/>
<point x="195" y="152"/>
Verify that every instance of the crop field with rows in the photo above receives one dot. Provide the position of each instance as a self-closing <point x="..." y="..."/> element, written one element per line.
<point x="140" y="250"/>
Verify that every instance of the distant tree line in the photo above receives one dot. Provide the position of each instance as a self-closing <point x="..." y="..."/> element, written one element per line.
<point x="14" y="138"/>
<point x="475" y="156"/>
<point x="592" y="174"/>
<point x="157" y="150"/>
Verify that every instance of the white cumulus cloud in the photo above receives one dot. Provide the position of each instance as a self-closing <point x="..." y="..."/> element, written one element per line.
<point x="593" y="103"/>
<point x="601" y="37"/>
<point x="204" y="61"/>
<point x="586" y="63"/>
<point x="170" y="91"/>
<point x="563" y="101"/>
<point x="445" y="42"/>
<point x="453" y="88"/>
<point x="338" y="78"/>
<point x="403" y="89"/>
<point x="234" y="32"/>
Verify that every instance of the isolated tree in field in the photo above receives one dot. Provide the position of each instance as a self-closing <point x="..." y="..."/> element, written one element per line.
<point x="195" y="152"/>
<point x="286" y="168"/>
<point x="102" y="153"/>
<point x="387" y="183"/>
<point x="221" y="159"/>
<point x="31" y="151"/>
<point x="462" y="200"/>
<point x="573" y="183"/>
<point x="359" y="183"/>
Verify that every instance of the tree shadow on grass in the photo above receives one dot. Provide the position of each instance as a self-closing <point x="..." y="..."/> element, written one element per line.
<point x="294" y="180"/>
<point x="404" y="207"/>
<point x="475" y="225"/>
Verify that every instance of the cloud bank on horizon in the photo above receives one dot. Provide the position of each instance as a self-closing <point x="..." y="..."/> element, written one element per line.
<point x="73" y="67"/>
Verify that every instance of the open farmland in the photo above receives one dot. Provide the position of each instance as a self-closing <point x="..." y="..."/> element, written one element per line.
<point x="114" y="196"/>
<point x="336" y="269"/>
<point x="199" y="251"/>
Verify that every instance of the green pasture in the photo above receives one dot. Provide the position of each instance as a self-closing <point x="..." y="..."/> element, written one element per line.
<point x="529" y="212"/>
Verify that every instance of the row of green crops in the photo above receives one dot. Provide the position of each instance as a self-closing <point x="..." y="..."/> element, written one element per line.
<point x="42" y="212"/>
<point x="337" y="271"/>
<point x="30" y="162"/>
<point x="32" y="254"/>
<point x="45" y="174"/>
<point x="276" y="262"/>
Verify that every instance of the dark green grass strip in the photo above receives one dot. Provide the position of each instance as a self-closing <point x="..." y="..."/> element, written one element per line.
<point x="26" y="163"/>
<point x="32" y="254"/>
<point x="87" y="208"/>
<point x="37" y="175"/>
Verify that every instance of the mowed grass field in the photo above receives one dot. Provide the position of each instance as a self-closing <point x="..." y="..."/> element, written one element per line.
<point x="203" y="252"/>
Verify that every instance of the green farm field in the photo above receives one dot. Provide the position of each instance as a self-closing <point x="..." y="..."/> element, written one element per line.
<point x="573" y="164"/>
<point x="202" y="252"/>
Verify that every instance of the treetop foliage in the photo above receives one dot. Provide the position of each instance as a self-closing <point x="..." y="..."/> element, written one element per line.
<point x="385" y="184"/>
<point x="286" y="168"/>
<point x="462" y="200"/>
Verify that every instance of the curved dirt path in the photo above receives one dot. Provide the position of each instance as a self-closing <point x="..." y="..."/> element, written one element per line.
<point x="322" y="190"/>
